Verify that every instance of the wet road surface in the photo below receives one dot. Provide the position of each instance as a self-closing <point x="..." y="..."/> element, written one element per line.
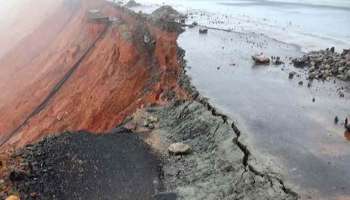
<point x="276" y="115"/>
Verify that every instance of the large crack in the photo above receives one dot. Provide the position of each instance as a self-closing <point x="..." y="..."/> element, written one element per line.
<point x="244" y="148"/>
<point x="186" y="83"/>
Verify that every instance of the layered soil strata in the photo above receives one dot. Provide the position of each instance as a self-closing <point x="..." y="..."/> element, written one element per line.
<point x="125" y="66"/>
<point x="85" y="76"/>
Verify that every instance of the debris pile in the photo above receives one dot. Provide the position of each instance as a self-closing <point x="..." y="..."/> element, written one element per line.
<point x="325" y="64"/>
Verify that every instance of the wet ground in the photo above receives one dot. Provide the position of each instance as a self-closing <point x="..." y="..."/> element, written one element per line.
<point x="276" y="114"/>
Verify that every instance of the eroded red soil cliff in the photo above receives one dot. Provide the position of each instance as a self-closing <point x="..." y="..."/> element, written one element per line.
<point x="74" y="74"/>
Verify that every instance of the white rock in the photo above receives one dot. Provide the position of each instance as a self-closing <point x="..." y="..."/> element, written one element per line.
<point x="179" y="148"/>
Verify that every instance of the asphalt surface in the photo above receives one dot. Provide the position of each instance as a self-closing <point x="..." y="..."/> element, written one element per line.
<point x="85" y="166"/>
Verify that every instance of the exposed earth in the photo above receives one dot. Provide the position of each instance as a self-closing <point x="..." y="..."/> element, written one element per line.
<point x="106" y="110"/>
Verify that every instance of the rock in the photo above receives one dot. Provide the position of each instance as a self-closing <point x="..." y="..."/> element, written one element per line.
<point x="179" y="148"/>
<point x="332" y="49"/>
<point x="291" y="75"/>
<point x="153" y="119"/>
<point x="300" y="83"/>
<point x="309" y="84"/>
<point x="166" y="13"/>
<point x="16" y="176"/>
<point x="313" y="99"/>
<point x="203" y="31"/>
<point x="132" y="3"/>
<point x="278" y="61"/>
<point x="151" y="126"/>
<point x="336" y="120"/>
<point x="12" y="197"/>
<point x="261" y="59"/>
<point x="300" y="62"/>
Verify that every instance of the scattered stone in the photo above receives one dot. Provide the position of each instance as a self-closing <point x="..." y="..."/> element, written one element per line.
<point x="336" y="120"/>
<point x="341" y="95"/>
<point x="153" y="119"/>
<point x="179" y="149"/>
<point x="12" y="197"/>
<point x="325" y="64"/>
<point x="151" y="126"/>
<point x="309" y="84"/>
<point x="291" y="75"/>
<point x="277" y="61"/>
<point x="300" y="62"/>
<point x="301" y="83"/>
<point x="203" y="31"/>
<point x="261" y="59"/>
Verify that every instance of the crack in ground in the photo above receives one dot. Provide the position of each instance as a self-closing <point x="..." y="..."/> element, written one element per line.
<point x="244" y="148"/>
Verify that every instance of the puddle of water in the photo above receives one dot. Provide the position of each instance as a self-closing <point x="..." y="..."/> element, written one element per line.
<point x="277" y="115"/>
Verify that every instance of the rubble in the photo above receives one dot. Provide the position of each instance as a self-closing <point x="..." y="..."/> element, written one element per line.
<point x="203" y="30"/>
<point x="325" y="64"/>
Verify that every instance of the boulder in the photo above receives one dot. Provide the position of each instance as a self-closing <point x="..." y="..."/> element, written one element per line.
<point x="166" y="13"/>
<point x="203" y="30"/>
<point x="179" y="148"/>
<point x="261" y="59"/>
<point x="278" y="61"/>
<point x="12" y="197"/>
<point x="300" y="62"/>
<point x="291" y="75"/>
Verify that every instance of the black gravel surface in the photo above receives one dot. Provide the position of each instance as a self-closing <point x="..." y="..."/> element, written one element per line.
<point x="89" y="167"/>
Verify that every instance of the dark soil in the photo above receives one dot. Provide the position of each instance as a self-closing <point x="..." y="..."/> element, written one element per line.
<point x="85" y="166"/>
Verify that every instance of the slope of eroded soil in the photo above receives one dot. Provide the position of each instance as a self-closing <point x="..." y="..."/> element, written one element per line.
<point x="72" y="74"/>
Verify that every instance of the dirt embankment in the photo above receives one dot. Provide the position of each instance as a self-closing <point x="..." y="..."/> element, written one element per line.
<point x="93" y="77"/>
<point x="71" y="74"/>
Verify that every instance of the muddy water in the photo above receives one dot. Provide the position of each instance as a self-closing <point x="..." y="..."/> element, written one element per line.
<point x="277" y="115"/>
